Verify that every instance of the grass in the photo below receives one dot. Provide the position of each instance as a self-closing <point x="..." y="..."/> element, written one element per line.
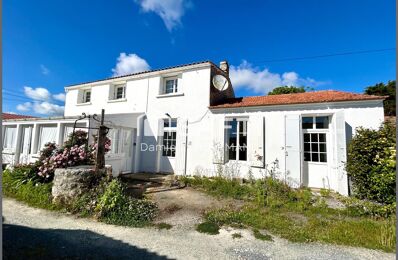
<point x="296" y="215"/>
<point x="208" y="227"/>
<point x="236" y="235"/>
<point x="163" y="226"/>
<point x="257" y="234"/>
<point x="36" y="195"/>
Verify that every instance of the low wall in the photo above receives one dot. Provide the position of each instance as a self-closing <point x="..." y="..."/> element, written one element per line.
<point x="71" y="182"/>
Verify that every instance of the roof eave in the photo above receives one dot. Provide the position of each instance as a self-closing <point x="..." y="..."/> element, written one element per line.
<point x="143" y="74"/>
<point x="298" y="103"/>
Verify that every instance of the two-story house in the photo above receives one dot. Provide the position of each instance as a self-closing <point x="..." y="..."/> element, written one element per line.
<point x="187" y="120"/>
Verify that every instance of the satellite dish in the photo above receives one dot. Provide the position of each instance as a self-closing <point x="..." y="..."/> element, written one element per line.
<point x="220" y="82"/>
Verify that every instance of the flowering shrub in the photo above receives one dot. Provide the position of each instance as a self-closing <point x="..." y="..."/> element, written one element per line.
<point x="371" y="163"/>
<point x="74" y="152"/>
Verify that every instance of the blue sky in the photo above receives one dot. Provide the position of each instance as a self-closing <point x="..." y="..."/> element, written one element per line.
<point x="48" y="45"/>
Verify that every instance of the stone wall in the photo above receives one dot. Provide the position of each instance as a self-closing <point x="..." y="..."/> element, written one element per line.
<point x="71" y="182"/>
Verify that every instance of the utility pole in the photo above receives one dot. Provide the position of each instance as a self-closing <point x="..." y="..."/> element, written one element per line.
<point x="102" y="131"/>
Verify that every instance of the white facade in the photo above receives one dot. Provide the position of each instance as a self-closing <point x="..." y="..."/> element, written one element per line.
<point x="171" y="108"/>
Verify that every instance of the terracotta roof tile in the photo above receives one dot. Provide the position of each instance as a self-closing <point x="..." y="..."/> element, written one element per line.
<point x="7" y="116"/>
<point x="296" y="98"/>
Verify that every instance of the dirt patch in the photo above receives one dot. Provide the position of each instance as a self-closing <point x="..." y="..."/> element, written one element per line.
<point x="185" y="207"/>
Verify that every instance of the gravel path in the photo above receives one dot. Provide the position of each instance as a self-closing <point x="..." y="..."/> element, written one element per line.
<point x="35" y="233"/>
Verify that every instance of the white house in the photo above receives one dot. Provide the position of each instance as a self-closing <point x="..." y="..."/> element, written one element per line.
<point x="186" y="120"/>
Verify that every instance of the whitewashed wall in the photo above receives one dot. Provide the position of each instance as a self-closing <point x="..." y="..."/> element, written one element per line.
<point x="367" y="114"/>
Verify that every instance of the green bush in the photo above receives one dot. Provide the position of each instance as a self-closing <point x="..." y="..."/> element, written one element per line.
<point x="371" y="163"/>
<point x="115" y="207"/>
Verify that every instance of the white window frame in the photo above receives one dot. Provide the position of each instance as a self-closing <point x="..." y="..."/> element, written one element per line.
<point x="175" y="85"/>
<point x="13" y="141"/>
<point x="169" y="129"/>
<point x="115" y="88"/>
<point x="83" y="96"/>
<point x="239" y="120"/>
<point x="315" y="130"/>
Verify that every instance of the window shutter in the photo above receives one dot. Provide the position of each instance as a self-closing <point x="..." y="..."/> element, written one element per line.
<point x="255" y="138"/>
<point x="292" y="149"/>
<point x="340" y="157"/>
<point x="180" y="146"/>
<point x="219" y="148"/>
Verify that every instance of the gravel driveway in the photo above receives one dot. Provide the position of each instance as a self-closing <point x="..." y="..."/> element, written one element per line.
<point x="35" y="233"/>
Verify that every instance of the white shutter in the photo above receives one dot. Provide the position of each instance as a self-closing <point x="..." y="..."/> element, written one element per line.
<point x="219" y="147"/>
<point x="341" y="153"/>
<point x="292" y="149"/>
<point x="255" y="139"/>
<point x="180" y="146"/>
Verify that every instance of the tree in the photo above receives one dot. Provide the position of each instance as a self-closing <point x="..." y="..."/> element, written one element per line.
<point x="381" y="89"/>
<point x="288" y="90"/>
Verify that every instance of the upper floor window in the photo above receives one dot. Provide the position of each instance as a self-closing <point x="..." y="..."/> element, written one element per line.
<point x="236" y="141"/>
<point x="170" y="85"/>
<point x="118" y="91"/>
<point x="86" y="96"/>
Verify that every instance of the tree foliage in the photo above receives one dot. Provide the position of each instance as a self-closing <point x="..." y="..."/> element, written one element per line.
<point x="288" y="90"/>
<point x="381" y="89"/>
<point x="371" y="163"/>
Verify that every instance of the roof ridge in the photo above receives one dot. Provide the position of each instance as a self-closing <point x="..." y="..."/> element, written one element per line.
<point x="146" y="71"/>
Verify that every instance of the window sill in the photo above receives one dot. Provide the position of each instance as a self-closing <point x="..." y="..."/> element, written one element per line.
<point x="83" y="104"/>
<point x="170" y="95"/>
<point x="117" y="100"/>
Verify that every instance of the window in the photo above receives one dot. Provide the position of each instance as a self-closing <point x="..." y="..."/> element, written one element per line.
<point x="169" y="137"/>
<point x="236" y="139"/>
<point x="113" y="135"/>
<point x="315" y="147"/>
<point x="47" y="134"/>
<point x="170" y="85"/>
<point x="315" y="130"/>
<point x="9" y="141"/>
<point x="315" y="122"/>
<point x="87" y="96"/>
<point x="119" y="91"/>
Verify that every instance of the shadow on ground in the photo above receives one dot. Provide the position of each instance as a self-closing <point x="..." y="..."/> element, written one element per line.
<point x="21" y="242"/>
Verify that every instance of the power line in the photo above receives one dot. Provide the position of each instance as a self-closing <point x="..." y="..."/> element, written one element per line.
<point x="326" y="55"/>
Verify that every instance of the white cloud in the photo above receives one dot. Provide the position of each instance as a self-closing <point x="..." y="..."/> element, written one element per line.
<point x="59" y="97"/>
<point x="42" y="102"/>
<point x="262" y="80"/>
<point x="170" y="11"/>
<point x="37" y="93"/>
<point x="46" y="108"/>
<point x="24" y="107"/>
<point x="129" y="63"/>
<point x="44" y="69"/>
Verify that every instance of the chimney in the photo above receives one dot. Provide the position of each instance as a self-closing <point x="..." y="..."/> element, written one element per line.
<point x="224" y="66"/>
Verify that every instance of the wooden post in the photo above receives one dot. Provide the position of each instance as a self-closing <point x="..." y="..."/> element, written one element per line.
<point x="100" y="160"/>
